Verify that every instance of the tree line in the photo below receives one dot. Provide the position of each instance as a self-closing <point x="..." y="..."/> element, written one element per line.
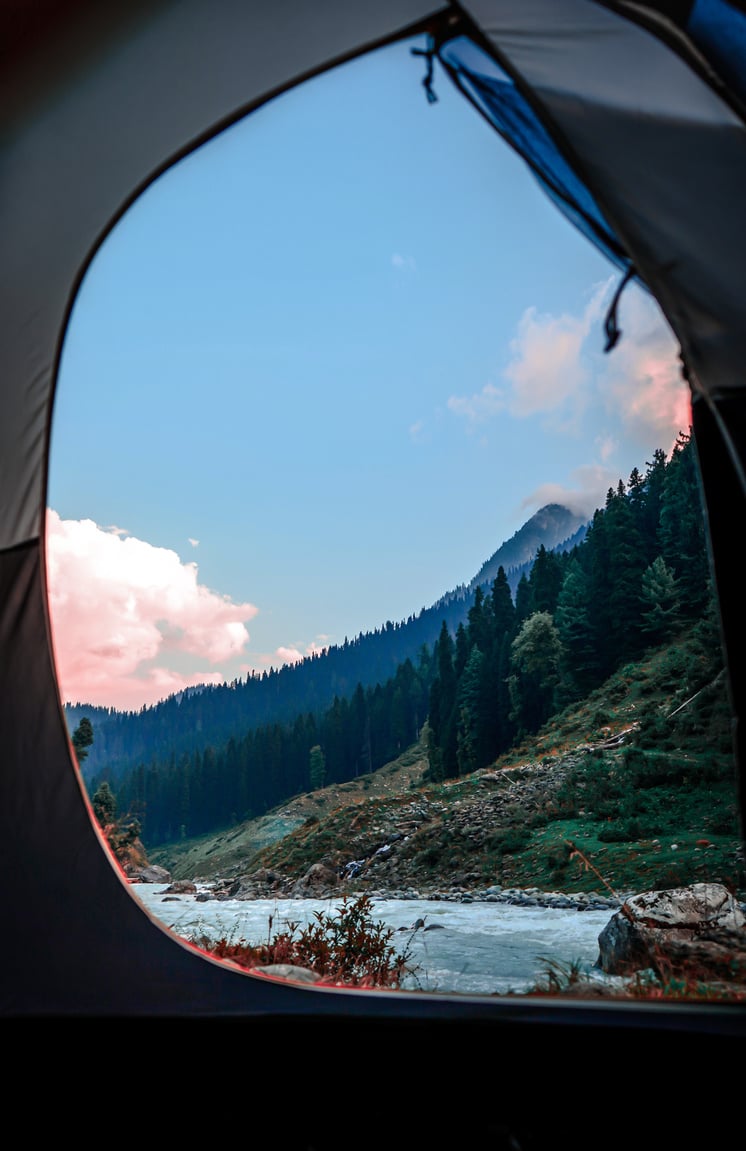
<point x="576" y="615"/>
<point x="640" y="573"/>
<point x="213" y="787"/>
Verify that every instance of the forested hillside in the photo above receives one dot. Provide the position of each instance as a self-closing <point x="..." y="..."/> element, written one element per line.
<point x="640" y="573"/>
<point x="638" y="576"/>
<point x="209" y="716"/>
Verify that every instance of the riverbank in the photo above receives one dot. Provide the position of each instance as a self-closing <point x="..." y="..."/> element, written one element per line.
<point x="322" y="883"/>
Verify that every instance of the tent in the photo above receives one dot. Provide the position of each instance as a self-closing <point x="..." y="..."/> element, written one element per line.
<point x="631" y="116"/>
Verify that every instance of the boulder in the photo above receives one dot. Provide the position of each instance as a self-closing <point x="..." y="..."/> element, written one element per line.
<point x="319" y="880"/>
<point x="154" y="874"/>
<point x="652" y="927"/>
<point x="287" y="971"/>
<point x="181" y="887"/>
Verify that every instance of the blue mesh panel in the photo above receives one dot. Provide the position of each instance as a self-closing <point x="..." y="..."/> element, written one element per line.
<point x="719" y="31"/>
<point x="497" y="97"/>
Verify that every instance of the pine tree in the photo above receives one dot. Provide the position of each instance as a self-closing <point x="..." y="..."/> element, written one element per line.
<point x="104" y="805"/>
<point x="535" y="660"/>
<point x="316" y="767"/>
<point x="470" y="725"/>
<point x="655" y="478"/>
<point x="503" y="608"/>
<point x="660" y="601"/>
<point x="579" y="664"/>
<point x="682" y="530"/>
<point x="480" y="622"/>
<point x="442" y="738"/>
<point x="82" y="739"/>
<point x="545" y="580"/>
<point x="523" y="600"/>
<point x="627" y="560"/>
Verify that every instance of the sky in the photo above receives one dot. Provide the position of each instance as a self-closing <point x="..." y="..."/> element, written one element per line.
<point x="316" y="375"/>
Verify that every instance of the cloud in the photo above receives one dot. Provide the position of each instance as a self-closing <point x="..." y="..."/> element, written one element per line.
<point x="286" y="655"/>
<point x="194" y="543"/>
<point x="291" y="654"/>
<point x="606" y="446"/>
<point x="558" y="368"/>
<point x="126" y="616"/>
<point x="547" y="367"/>
<point x="586" y="491"/>
<point x="641" y="378"/>
<point x="403" y="263"/>
<point x="479" y="407"/>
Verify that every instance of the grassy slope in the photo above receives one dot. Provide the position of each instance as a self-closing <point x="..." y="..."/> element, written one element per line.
<point x="639" y="777"/>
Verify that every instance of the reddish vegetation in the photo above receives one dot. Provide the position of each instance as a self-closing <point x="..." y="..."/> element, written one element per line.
<point x="348" y="948"/>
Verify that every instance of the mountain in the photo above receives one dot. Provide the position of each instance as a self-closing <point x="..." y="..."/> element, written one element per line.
<point x="554" y="526"/>
<point x="211" y="716"/>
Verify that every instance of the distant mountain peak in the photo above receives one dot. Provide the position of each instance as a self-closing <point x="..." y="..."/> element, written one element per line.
<point x="554" y="525"/>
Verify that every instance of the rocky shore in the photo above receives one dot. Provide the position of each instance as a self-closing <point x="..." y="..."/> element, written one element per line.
<point x="695" y="934"/>
<point x="320" y="883"/>
<point x="517" y="897"/>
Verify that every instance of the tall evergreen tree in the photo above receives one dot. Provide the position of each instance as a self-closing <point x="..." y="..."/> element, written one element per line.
<point x="545" y="580"/>
<point x="682" y="526"/>
<point x="655" y="478"/>
<point x="82" y="739"/>
<point x="479" y="628"/>
<point x="523" y="600"/>
<point x="627" y="561"/>
<point x="503" y="608"/>
<point x="316" y="767"/>
<point x="442" y="739"/>
<point x="470" y="735"/>
<point x="535" y="661"/>
<point x="579" y="663"/>
<point x="660" y="600"/>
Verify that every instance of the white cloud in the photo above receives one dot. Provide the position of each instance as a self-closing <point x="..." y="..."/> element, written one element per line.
<point x="290" y="654"/>
<point x="403" y="263"/>
<point x="125" y="614"/>
<point x="548" y="368"/>
<point x="285" y="655"/>
<point x="606" y="446"/>
<point x="193" y="542"/>
<point x="558" y="368"/>
<point x="480" y="406"/>
<point x="586" y="492"/>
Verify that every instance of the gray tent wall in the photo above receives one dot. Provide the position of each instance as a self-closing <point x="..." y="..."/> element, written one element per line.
<point x="96" y="100"/>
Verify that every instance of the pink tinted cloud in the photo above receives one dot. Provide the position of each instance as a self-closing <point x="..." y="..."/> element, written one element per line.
<point x="642" y="378"/>
<point x="547" y="367"/>
<point x="586" y="491"/>
<point x="558" y="367"/>
<point x="548" y="371"/>
<point x="282" y="655"/>
<point x="127" y="616"/>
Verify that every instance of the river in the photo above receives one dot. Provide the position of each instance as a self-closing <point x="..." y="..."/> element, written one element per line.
<point x="479" y="948"/>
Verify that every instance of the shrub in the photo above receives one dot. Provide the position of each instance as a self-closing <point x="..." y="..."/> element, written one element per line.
<point x="625" y="831"/>
<point x="349" y="948"/>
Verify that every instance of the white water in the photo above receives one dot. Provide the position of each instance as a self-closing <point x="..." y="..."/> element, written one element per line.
<point x="468" y="948"/>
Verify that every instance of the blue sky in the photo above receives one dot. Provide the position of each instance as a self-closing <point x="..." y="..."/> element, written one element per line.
<point x="316" y="375"/>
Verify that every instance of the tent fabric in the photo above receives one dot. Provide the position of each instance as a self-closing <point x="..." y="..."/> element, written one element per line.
<point x="495" y="93"/>
<point x="630" y="123"/>
<point x="645" y="132"/>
